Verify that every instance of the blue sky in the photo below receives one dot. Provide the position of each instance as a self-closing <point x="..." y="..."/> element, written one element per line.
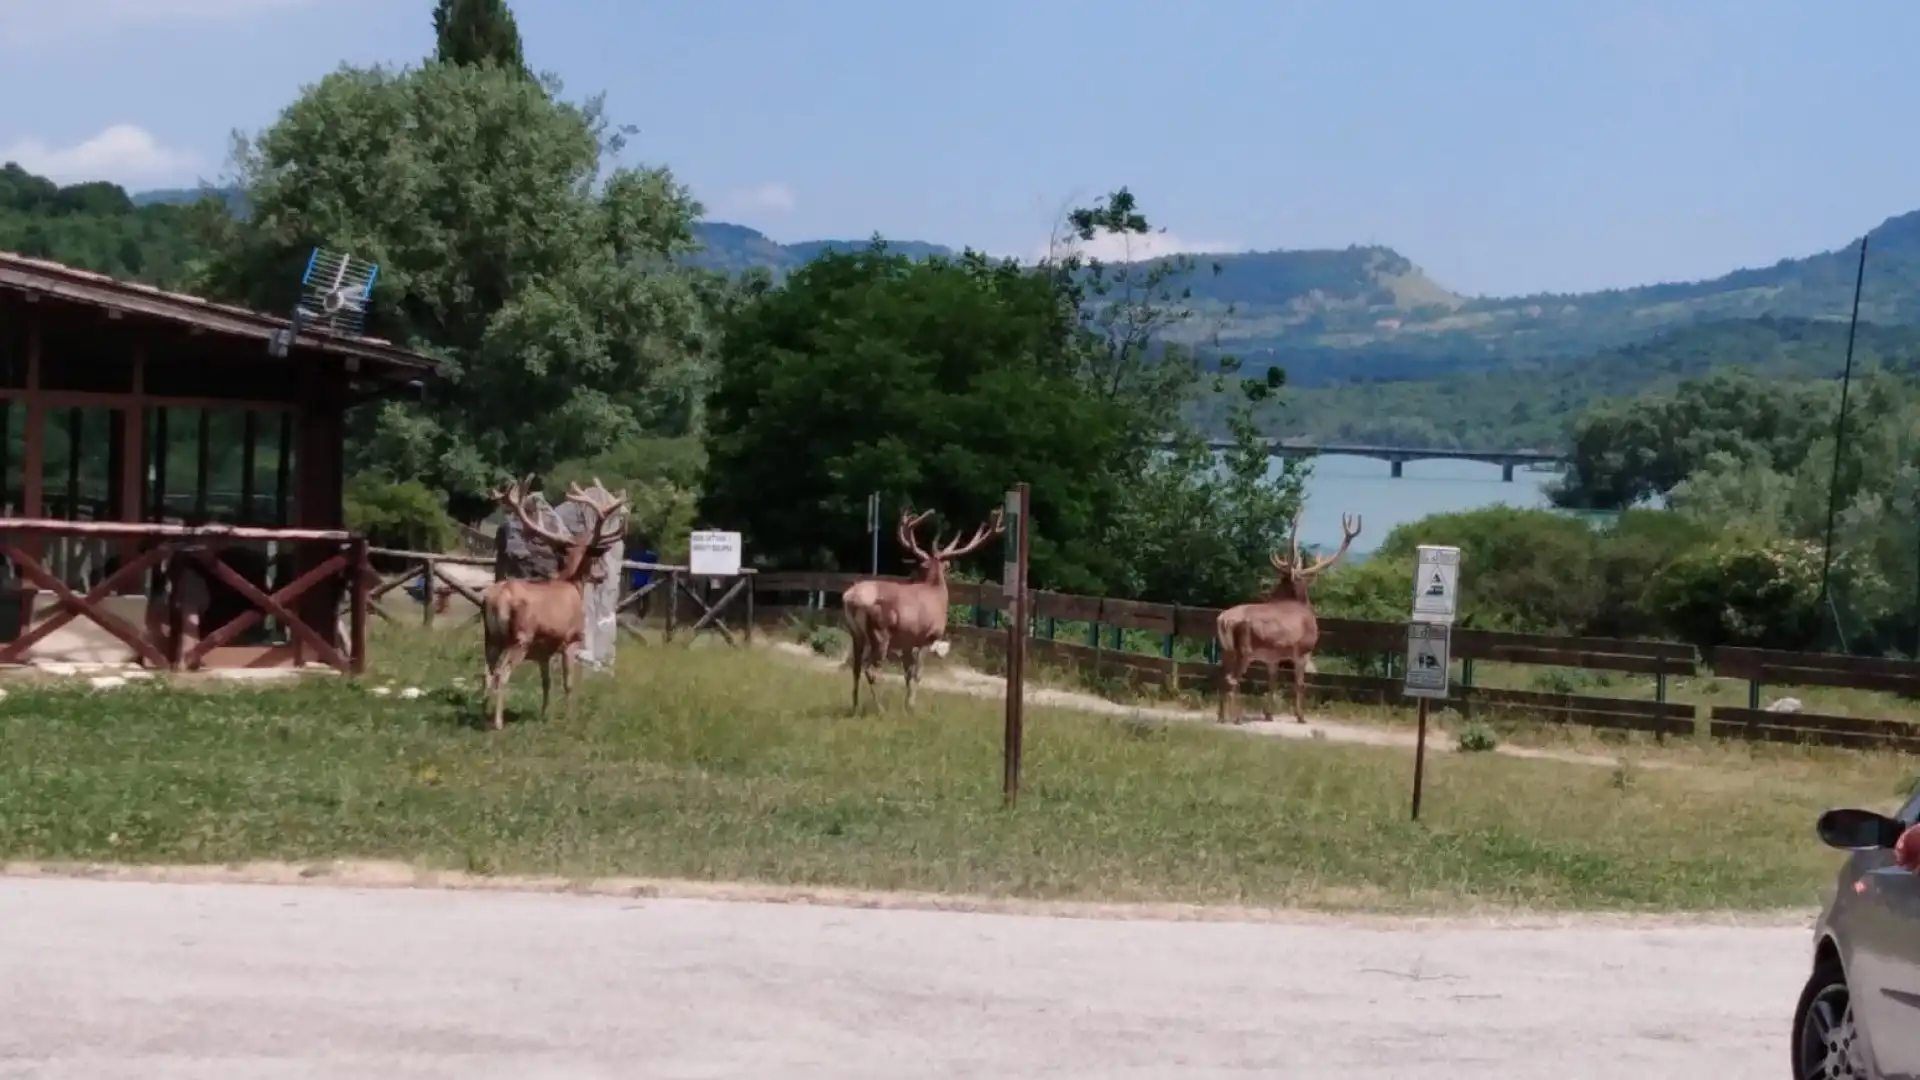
<point x="1504" y="146"/>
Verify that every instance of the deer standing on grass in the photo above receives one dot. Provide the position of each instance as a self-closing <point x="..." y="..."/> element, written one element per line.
<point x="1279" y="628"/>
<point x="906" y="616"/>
<point x="540" y="619"/>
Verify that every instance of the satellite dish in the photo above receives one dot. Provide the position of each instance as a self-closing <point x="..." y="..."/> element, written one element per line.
<point x="334" y="293"/>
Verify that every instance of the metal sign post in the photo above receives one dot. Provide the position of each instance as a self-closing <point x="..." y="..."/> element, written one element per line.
<point x="1013" y="582"/>
<point x="873" y="528"/>
<point x="1436" y="597"/>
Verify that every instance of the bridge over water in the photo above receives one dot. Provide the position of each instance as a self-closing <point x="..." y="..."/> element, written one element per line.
<point x="1398" y="456"/>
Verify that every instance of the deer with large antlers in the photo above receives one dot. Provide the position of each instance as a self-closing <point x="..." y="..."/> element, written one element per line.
<point x="908" y="616"/>
<point x="540" y="619"/>
<point x="1276" y="629"/>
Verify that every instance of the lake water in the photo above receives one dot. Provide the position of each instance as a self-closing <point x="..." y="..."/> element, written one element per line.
<point x="1367" y="487"/>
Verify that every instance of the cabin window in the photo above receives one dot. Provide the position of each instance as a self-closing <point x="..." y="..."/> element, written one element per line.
<point x="231" y="466"/>
<point x="13" y="346"/>
<point x="92" y="355"/>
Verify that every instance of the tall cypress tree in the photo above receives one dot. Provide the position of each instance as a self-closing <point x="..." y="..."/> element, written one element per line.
<point x="474" y="32"/>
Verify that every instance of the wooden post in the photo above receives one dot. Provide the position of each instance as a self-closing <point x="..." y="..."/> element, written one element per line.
<point x="427" y="583"/>
<point x="1014" y="586"/>
<point x="673" y="603"/>
<point x="752" y="580"/>
<point x="362" y="570"/>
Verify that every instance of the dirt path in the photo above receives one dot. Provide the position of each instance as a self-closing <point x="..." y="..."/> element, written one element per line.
<point x="956" y="678"/>
<point x="127" y="979"/>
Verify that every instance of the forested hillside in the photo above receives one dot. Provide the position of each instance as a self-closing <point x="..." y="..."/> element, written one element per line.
<point x="1529" y="404"/>
<point x="96" y="227"/>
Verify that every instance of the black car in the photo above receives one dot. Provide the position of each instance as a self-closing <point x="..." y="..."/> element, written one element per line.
<point x="1860" y="1013"/>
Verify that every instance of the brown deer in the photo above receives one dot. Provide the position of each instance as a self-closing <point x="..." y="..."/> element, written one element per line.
<point x="905" y="616"/>
<point x="538" y="620"/>
<point x="1279" y="628"/>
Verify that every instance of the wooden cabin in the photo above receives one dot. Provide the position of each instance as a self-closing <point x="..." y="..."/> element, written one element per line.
<point x="172" y="490"/>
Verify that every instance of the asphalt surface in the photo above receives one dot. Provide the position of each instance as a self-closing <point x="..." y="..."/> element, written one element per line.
<point x="125" y="979"/>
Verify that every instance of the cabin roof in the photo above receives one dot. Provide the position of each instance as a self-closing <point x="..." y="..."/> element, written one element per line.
<point x="32" y="276"/>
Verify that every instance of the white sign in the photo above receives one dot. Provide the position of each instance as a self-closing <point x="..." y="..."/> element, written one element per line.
<point x="1436" y="584"/>
<point x="1427" y="648"/>
<point x="712" y="553"/>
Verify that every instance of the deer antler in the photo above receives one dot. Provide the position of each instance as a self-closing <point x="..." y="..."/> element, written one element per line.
<point x="513" y="497"/>
<point x="988" y="529"/>
<point x="606" y="508"/>
<point x="1349" y="528"/>
<point x="1288" y="562"/>
<point x="909" y="521"/>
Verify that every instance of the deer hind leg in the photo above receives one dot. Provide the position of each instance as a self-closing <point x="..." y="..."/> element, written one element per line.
<point x="1299" y="688"/>
<point x="858" y="661"/>
<point x="876" y="657"/>
<point x="510" y="658"/>
<point x="1229" y="689"/>
<point x="910" y="668"/>
<point x="546" y="684"/>
<point x="1273" y="688"/>
<point x="566" y="681"/>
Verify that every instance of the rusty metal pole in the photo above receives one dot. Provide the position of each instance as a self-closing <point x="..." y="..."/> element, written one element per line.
<point x="1014" y="586"/>
<point x="1419" y="758"/>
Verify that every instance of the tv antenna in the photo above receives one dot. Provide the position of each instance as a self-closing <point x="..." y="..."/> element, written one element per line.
<point x="334" y="293"/>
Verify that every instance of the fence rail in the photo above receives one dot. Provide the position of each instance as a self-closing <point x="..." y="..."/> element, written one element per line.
<point x="438" y="585"/>
<point x="1660" y="660"/>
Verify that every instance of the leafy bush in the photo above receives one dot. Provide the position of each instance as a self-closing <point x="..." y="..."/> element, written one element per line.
<point x="1525" y="570"/>
<point x="403" y="514"/>
<point x="1476" y="738"/>
<point x="1756" y="591"/>
<point x="1629" y="556"/>
<point x="828" y="641"/>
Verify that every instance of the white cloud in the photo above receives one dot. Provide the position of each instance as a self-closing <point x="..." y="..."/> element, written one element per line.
<point x="1136" y="247"/>
<point x="122" y="153"/>
<point x="769" y="198"/>
<point x="32" y="21"/>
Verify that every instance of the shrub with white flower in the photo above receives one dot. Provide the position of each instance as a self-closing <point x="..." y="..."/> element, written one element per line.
<point x="1763" y="592"/>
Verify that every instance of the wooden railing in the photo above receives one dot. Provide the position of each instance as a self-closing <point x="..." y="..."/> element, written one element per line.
<point x="1769" y="666"/>
<point x="678" y="583"/>
<point x="195" y="589"/>
<point x="1384" y="643"/>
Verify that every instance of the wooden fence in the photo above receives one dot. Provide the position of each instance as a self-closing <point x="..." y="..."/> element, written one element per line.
<point x="1383" y="645"/>
<point x="440" y="577"/>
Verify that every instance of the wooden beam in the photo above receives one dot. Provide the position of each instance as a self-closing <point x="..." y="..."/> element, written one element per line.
<point x="275" y="605"/>
<point x="74" y="605"/>
<point x="159" y="530"/>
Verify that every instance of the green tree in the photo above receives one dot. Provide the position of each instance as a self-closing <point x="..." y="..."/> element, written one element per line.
<point x="473" y="32"/>
<point x="934" y="383"/>
<point x="1628" y="452"/>
<point x="507" y="248"/>
<point x="937" y="383"/>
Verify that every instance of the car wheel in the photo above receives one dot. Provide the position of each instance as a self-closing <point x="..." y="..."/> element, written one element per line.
<point x="1826" y="1043"/>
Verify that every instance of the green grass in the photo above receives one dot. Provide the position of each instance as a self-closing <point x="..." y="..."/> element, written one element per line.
<point x="707" y="763"/>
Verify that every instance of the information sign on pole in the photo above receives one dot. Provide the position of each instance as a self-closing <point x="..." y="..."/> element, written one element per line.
<point x="711" y="553"/>
<point x="1427" y="648"/>
<point x="1436" y="600"/>
<point x="1436" y="583"/>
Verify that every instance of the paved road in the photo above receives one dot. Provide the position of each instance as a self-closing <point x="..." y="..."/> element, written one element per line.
<point x="124" y="979"/>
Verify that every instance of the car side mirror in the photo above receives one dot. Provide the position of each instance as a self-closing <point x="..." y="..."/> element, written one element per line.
<point x="1859" y="830"/>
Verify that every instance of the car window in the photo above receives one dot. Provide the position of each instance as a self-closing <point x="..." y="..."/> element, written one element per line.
<point x="1910" y="813"/>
